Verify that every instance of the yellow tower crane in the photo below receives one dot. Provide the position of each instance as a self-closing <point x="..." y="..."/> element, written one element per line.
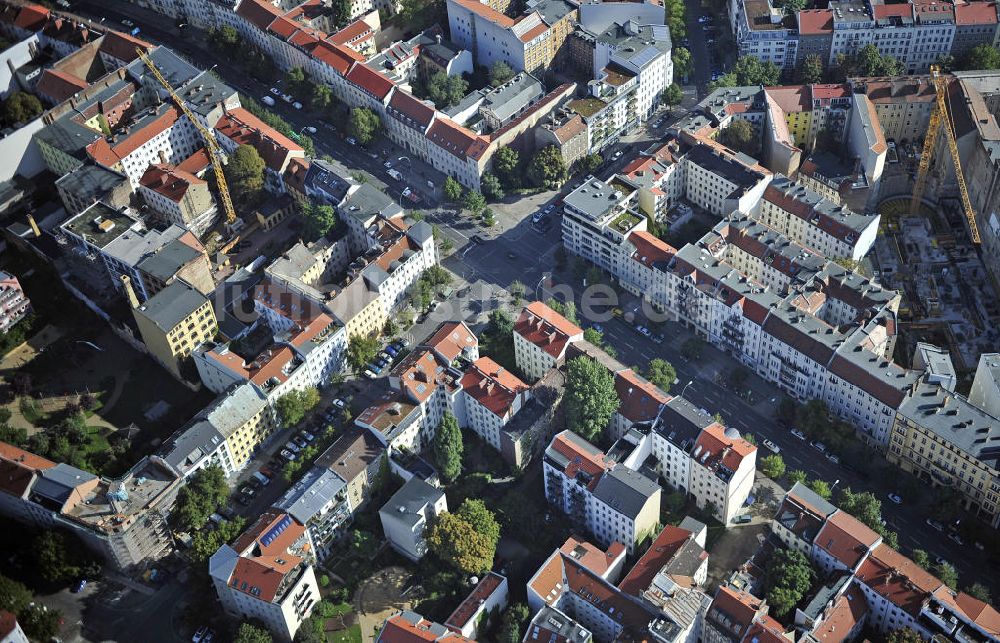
<point x="939" y="117"/>
<point x="215" y="152"/>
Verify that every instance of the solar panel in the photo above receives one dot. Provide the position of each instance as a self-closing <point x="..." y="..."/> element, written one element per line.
<point x="276" y="530"/>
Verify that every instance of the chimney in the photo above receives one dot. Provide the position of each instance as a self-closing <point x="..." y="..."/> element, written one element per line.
<point x="34" y="226"/>
<point x="129" y="291"/>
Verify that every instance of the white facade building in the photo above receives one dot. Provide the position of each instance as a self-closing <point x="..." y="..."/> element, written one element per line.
<point x="407" y="515"/>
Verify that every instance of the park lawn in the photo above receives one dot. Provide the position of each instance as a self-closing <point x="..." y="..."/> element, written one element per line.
<point x="97" y="441"/>
<point x="350" y="635"/>
<point x="342" y="608"/>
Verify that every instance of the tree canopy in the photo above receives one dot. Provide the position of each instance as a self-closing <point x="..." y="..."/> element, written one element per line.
<point x="591" y="398"/>
<point x="788" y="578"/>
<point x="207" y="541"/>
<point x="867" y="61"/>
<point x="293" y="406"/>
<point x="505" y="166"/>
<point x="674" y="12"/>
<point x="984" y="56"/>
<point x="673" y="95"/>
<point x="452" y="189"/>
<point x="205" y="492"/>
<point x="500" y="73"/>
<point x="750" y="70"/>
<point x="547" y="169"/>
<point x="863" y="506"/>
<point x="475" y="512"/>
<point x="250" y="633"/>
<point x="512" y="623"/>
<point x="361" y="349"/>
<point x="456" y="542"/>
<point x="683" y="62"/>
<point x="810" y="70"/>
<point x="446" y="90"/>
<point x="662" y="373"/>
<point x="364" y="125"/>
<point x="904" y="635"/>
<point x="448" y="448"/>
<point x="245" y="174"/>
<point x="772" y="466"/>
<point x="738" y="135"/>
<point x="319" y="219"/>
<point x="474" y="202"/>
<point x="492" y="188"/>
<point x="946" y="572"/>
<point x="21" y="107"/>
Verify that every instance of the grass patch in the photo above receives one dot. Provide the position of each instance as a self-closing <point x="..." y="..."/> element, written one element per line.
<point x="350" y="635"/>
<point x="29" y="409"/>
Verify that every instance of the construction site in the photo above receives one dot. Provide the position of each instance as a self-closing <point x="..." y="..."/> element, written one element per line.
<point x="929" y="247"/>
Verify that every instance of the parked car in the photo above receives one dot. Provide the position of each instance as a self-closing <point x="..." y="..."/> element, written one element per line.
<point x="895" y="498"/>
<point x="300" y="442"/>
<point x="247" y="490"/>
<point x="288" y="455"/>
<point x="658" y="338"/>
<point x="771" y="446"/>
<point x="339" y="403"/>
<point x="127" y="22"/>
<point x="291" y="446"/>
<point x="742" y="519"/>
<point x="351" y="140"/>
<point x="537" y="216"/>
<point x="308" y="436"/>
<point x="369" y="374"/>
<point x="275" y="91"/>
<point x="261" y="478"/>
<point x="288" y="98"/>
<point x="819" y="446"/>
<point x="267" y="100"/>
<point x="955" y="538"/>
<point x="392" y="350"/>
<point x="934" y="524"/>
<point x="311" y="130"/>
<point x="79" y="586"/>
<point x="617" y="155"/>
<point x="597" y="327"/>
<point x="388" y="165"/>
<point x="832" y="457"/>
<point x="200" y="634"/>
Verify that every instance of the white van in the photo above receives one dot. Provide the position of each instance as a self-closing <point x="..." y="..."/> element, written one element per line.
<point x="394" y="174"/>
<point x="267" y="100"/>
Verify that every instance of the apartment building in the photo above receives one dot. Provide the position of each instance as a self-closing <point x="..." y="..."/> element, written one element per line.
<point x="541" y="336"/>
<point x="475" y="613"/>
<point x="178" y="196"/>
<point x="766" y="32"/>
<point x="945" y="439"/>
<point x="408" y="514"/>
<point x="122" y="520"/>
<point x="183" y="259"/>
<point x="722" y="470"/>
<point x="805" y="217"/>
<point x="319" y="501"/>
<point x="491" y="397"/>
<point x="173" y="323"/>
<point x="267" y="574"/>
<point x="225" y="434"/>
<point x="645" y="52"/>
<point x="975" y="24"/>
<point x="90" y="183"/>
<point x="407" y="626"/>
<point x="14" y="304"/>
<point x="800" y="517"/>
<point x="722" y="181"/>
<point x="357" y="457"/>
<point x="576" y="587"/>
<point x="596" y="220"/>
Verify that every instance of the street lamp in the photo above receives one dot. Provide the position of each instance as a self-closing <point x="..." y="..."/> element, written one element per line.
<point x="834" y="485"/>
<point x="686" y="387"/>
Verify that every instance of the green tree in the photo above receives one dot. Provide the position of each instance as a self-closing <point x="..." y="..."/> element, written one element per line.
<point x="797" y="476"/>
<point x="448" y="448"/>
<point x="38" y="623"/>
<point x="501" y="323"/>
<point x="227" y="37"/>
<point x="673" y="95"/>
<point x="792" y="7"/>
<point x="772" y="466"/>
<point x="14" y="596"/>
<point x="437" y="276"/>
<point x="341" y="12"/>
<point x="321" y="98"/>
<point x="920" y="557"/>
<point x="245" y="174"/>
<point x="547" y="169"/>
<point x="489" y="219"/>
<point x="207" y="541"/>
<point x="296" y="79"/>
<point x="452" y="189"/>
<point x="683" y="63"/>
<point x="591" y="398"/>
<point x="364" y="125"/>
<point x="56" y="563"/>
<point x="492" y="188"/>
<point x="983" y="56"/>
<point x="674" y="13"/>
<point x="820" y="487"/>
<point x="866" y="61"/>
<point x="293" y="406"/>
<point x="203" y="495"/>
<point x="446" y="90"/>
<point x="21" y="107"/>
<point x="750" y="437"/>
<point x="505" y="165"/>
<point x="500" y="73"/>
<point x="947" y="574"/>
<point x="593" y="336"/>
<point x="512" y="623"/>
<point x="361" y="349"/>
<point x="788" y="577"/>
<point x="249" y="633"/>
<point x="319" y="219"/>
<point x="904" y="635"/>
<point x="750" y="70"/>
<point x="484" y="521"/>
<point x="978" y="591"/>
<point x="661" y="372"/>
<point x="738" y="135"/>
<point x="474" y="202"/>
<point x="517" y="290"/>
<point x="590" y="162"/>
<point x="691" y="348"/>
<point x="456" y="542"/>
<point x="863" y="506"/>
<point x="810" y="70"/>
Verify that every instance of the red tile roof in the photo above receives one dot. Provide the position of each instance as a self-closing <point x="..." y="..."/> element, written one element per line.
<point x="897" y="578"/>
<point x="976" y="13"/>
<point x="123" y="46"/>
<point x="468" y="608"/>
<point x="243" y="128"/>
<point x="418" y="374"/>
<point x="31" y="17"/>
<point x="265" y="558"/>
<point x="398" y="629"/>
<point x="589" y="556"/>
<point x="791" y="98"/>
<point x="487" y="12"/>
<point x="108" y="155"/>
<point x="197" y="162"/>
<point x="454" y="139"/>
<point x="370" y="81"/>
<point x="358" y="29"/>
<point x="830" y="90"/>
<point x="546" y="329"/>
<point x="295" y="174"/>
<point x="982" y="614"/>
<point x="415" y="110"/>
<point x="337" y="56"/>
<point x="815" y="22"/>
<point x="667" y="543"/>
<point x="840" y="620"/>
<point x="767" y="630"/>
<point x="650" y="249"/>
<point x="58" y="85"/>
<point x="641" y="400"/>
<point x="18" y="468"/>
<point x="740" y="608"/>
<point x="846" y="538"/>
<point x="311" y="330"/>
<point x="731" y="451"/>
<point x="451" y="338"/>
<point x="575" y="449"/>
<point x="492" y="386"/>
<point x="892" y="10"/>
<point x="7" y="624"/>
<point x="169" y="181"/>
<point x="258" y="13"/>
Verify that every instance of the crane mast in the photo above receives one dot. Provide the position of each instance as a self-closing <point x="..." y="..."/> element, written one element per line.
<point x="215" y="152"/>
<point x="939" y="117"/>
